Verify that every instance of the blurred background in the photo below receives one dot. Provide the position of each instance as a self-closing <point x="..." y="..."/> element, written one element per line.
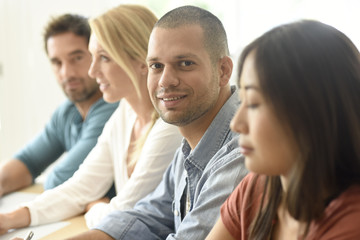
<point x="29" y="92"/>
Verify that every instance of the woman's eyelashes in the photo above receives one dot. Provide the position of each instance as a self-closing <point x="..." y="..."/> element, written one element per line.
<point x="252" y="105"/>
<point x="104" y="58"/>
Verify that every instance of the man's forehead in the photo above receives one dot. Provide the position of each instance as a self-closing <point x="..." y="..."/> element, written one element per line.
<point x="184" y="28"/>
<point x="66" y="44"/>
<point x="175" y="43"/>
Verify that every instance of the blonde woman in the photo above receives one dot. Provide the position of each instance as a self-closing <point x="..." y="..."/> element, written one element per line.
<point x="135" y="147"/>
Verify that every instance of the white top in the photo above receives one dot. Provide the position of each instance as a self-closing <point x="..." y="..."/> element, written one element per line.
<point x="105" y="163"/>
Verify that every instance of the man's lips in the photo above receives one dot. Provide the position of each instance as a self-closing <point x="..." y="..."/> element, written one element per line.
<point x="171" y="101"/>
<point x="73" y="84"/>
<point x="166" y="99"/>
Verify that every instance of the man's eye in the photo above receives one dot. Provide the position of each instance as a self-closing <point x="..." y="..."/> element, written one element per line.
<point x="78" y="58"/>
<point x="186" y="63"/>
<point x="156" y="65"/>
<point x="56" y="63"/>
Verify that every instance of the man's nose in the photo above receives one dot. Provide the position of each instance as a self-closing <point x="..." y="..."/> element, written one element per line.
<point x="169" y="78"/>
<point x="67" y="71"/>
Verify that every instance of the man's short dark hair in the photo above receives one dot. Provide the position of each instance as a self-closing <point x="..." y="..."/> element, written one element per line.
<point x="67" y="23"/>
<point x="215" y="39"/>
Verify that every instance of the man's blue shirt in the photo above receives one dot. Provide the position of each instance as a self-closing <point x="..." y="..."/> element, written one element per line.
<point x="66" y="132"/>
<point x="212" y="171"/>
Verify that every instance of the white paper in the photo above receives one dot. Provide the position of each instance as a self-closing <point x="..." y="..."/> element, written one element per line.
<point x="39" y="231"/>
<point x="11" y="202"/>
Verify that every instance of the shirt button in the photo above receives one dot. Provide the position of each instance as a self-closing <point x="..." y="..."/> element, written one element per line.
<point x="176" y="212"/>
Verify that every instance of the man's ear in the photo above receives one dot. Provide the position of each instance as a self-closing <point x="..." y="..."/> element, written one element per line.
<point x="225" y="70"/>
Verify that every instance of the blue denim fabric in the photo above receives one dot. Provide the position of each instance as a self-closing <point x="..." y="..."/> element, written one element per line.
<point x="213" y="169"/>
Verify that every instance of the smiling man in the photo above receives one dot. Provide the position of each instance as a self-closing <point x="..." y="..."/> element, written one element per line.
<point x="76" y="124"/>
<point x="188" y="81"/>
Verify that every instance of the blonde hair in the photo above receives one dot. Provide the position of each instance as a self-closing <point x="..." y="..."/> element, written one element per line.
<point x="124" y="33"/>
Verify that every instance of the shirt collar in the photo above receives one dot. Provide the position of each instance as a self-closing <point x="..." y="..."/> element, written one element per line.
<point x="215" y="135"/>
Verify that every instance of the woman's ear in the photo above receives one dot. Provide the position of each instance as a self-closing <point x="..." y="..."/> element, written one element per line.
<point x="225" y="70"/>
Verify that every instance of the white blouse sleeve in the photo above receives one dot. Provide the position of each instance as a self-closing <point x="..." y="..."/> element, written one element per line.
<point x="157" y="153"/>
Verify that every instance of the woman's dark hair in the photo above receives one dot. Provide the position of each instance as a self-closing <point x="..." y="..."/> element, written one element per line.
<point x="310" y="73"/>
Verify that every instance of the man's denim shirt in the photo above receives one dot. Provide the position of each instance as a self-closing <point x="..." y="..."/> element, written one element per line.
<point x="213" y="169"/>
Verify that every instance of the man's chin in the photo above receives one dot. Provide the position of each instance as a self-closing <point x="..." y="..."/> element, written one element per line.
<point x="76" y="98"/>
<point x="174" y="120"/>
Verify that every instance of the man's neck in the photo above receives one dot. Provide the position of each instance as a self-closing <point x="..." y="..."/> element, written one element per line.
<point x="194" y="131"/>
<point x="84" y="106"/>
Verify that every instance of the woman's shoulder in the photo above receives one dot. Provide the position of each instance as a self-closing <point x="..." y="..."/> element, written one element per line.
<point x="349" y="199"/>
<point x="248" y="191"/>
<point x="341" y="217"/>
<point x="251" y="181"/>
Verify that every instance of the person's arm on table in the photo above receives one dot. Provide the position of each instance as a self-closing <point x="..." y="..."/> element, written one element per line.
<point x="151" y="217"/>
<point x="14" y="175"/>
<point x="92" y="235"/>
<point x="16" y="219"/>
<point x="30" y="161"/>
<point x="88" y="184"/>
<point x="104" y="200"/>
<point x="45" y="148"/>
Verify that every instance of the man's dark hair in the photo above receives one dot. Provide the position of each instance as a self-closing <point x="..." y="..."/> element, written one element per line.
<point x="67" y="23"/>
<point x="215" y="39"/>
